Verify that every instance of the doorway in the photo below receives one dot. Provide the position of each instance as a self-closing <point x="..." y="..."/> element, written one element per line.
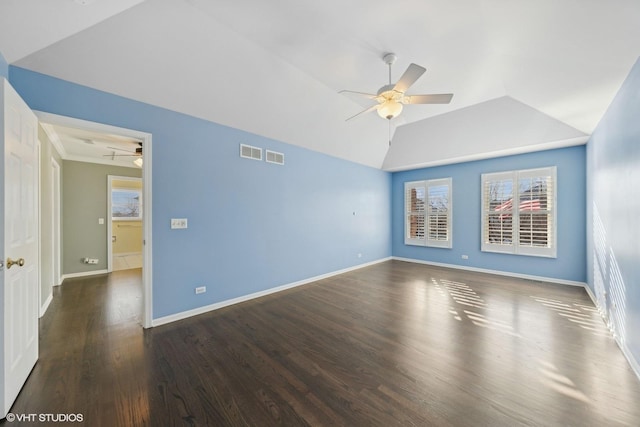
<point x="117" y="153"/>
<point x="124" y="226"/>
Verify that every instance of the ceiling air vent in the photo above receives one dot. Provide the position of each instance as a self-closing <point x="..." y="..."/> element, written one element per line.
<point x="249" y="152"/>
<point x="275" y="157"/>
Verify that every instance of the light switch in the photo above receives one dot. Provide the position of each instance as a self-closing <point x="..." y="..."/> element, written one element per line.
<point x="100" y="221"/>
<point x="178" y="223"/>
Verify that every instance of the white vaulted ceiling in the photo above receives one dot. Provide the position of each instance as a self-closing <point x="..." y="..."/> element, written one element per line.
<point x="275" y="67"/>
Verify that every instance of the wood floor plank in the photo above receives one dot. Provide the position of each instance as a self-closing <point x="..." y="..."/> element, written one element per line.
<point x="391" y="344"/>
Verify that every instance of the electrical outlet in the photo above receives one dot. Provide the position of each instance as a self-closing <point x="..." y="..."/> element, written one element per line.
<point x="201" y="290"/>
<point x="465" y="256"/>
<point x="178" y="223"/>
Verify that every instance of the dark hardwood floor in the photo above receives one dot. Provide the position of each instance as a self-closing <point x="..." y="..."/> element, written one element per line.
<point x="391" y="344"/>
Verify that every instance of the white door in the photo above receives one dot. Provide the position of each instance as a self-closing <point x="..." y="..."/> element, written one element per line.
<point x="21" y="263"/>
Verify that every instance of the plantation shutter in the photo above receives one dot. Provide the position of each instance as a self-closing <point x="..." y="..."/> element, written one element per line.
<point x="536" y="212"/>
<point x="439" y="213"/>
<point x="497" y="207"/>
<point x="415" y="200"/>
<point x="519" y="213"/>
<point x="428" y="213"/>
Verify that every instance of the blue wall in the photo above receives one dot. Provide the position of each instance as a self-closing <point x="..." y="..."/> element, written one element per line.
<point x="613" y="196"/>
<point x="570" y="263"/>
<point x="252" y="225"/>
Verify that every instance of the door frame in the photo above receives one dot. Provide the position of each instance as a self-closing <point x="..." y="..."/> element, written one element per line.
<point x="56" y="219"/>
<point x="146" y="138"/>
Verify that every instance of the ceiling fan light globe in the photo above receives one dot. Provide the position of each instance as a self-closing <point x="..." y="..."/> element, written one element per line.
<point x="389" y="109"/>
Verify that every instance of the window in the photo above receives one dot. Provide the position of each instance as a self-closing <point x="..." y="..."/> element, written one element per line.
<point x="126" y="204"/>
<point x="519" y="212"/>
<point x="428" y="213"/>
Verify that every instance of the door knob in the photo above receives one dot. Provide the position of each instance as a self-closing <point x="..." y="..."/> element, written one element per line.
<point x="19" y="262"/>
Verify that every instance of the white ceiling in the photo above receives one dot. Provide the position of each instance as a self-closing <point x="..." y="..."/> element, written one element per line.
<point x="73" y="143"/>
<point x="275" y="67"/>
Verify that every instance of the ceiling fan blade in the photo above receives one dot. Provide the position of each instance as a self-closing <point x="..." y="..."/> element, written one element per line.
<point x="373" y="107"/>
<point x="121" y="149"/>
<point x="413" y="73"/>
<point x="441" y="98"/>
<point x="367" y="95"/>
<point x="121" y="155"/>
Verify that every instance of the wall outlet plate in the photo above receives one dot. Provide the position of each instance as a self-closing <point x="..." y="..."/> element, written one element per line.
<point x="177" y="223"/>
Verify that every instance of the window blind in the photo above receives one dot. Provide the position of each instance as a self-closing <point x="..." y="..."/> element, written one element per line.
<point x="519" y="212"/>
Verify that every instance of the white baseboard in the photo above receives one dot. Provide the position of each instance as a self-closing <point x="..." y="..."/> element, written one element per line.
<point x="82" y="274"/>
<point x="45" y="305"/>
<point x="207" y="308"/>
<point x="497" y="272"/>
<point x="635" y="366"/>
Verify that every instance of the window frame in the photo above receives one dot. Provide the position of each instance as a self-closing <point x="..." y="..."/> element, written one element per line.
<point x="516" y="247"/>
<point x="138" y="191"/>
<point x="425" y="240"/>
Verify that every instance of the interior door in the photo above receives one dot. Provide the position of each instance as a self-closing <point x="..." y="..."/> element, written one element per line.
<point x="21" y="263"/>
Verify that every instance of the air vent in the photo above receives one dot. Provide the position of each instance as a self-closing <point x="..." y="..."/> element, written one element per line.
<point x="249" y="152"/>
<point x="275" y="157"/>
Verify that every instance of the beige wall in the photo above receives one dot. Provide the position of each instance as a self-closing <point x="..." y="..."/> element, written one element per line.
<point x="127" y="237"/>
<point x="85" y="187"/>
<point x="127" y="234"/>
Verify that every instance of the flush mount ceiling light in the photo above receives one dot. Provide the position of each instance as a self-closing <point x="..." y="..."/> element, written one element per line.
<point x="390" y="98"/>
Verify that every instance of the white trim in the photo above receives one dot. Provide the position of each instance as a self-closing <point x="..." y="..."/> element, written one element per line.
<point x="591" y="295"/>
<point x="83" y="274"/>
<point x="39" y="239"/>
<point x="581" y="140"/>
<point x="56" y="219"/>
<point x="146" y="138"/>
<point x="635" y="366"/>
<point x="147" y="247"/>
<point x="45" y="306"/>
<point x="53" y="137"/>
<point x="497" y="272"/>
<point x="211" y="307"/>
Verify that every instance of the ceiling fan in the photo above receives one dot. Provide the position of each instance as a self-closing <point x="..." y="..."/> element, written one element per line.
<point x="137" y="153"/>
<point x="131" y="153"/>
<point x="391" y="98"/>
